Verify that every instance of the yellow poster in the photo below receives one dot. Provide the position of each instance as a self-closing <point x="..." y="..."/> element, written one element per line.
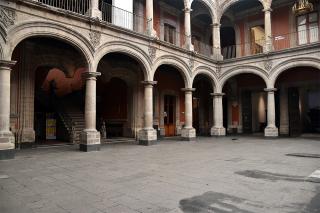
<point x="50" y="127"/>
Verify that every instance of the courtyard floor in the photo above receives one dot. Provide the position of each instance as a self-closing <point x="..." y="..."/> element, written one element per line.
<point x="247" y="175"/>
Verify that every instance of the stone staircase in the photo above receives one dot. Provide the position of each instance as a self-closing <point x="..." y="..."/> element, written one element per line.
<point x="78" y="124"/>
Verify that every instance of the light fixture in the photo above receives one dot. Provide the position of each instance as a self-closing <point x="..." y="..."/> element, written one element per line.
<point x="302" y="7"/>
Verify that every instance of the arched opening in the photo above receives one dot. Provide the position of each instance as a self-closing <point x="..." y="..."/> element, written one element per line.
<point x="169" y="101"/>
<point x="228" y="38"/>
<point x="119" y="96"/>
<point x="201" y="30"/>
<point x="202" y="105"/>
<point x="169" y="21"/>
<point x="245" y="104"/>
<point x="298" y="107"/>
<point x="243" y="22"/>
<point x="47" y="92"/>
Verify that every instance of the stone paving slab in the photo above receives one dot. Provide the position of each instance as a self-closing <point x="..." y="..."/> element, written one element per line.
<point x="246" y="175"/>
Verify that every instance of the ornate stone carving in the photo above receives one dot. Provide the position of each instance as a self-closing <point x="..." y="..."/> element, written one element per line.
<point x="152" y="52"/>
<point x="95" y="38"/>
<point x="218" y="71"/>
<point x="268" y="65"/>
<point x="7" y="16"/>
<point x="191" y="62"/>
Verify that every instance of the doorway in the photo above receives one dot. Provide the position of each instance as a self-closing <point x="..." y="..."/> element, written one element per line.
<point x="169" y="115"/>
<point x="247" y="111"/>
<point x="294" y="112"/>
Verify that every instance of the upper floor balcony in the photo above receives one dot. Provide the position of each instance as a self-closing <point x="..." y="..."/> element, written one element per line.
<point x="215" y="29"/>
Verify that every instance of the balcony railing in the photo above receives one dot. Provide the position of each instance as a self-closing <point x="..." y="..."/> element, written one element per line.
<point x="75" y="6"/>
<point x="295" y="39"/>
<point x="123" y="18"/>
<point x="243" y="49"/>
<point x="170" y="34"/>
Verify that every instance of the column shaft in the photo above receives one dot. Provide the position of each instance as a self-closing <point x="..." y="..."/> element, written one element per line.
<point x="218" y="129"/>
<point x="149" y="15"/>
<point x="268" y="30"/>
<point x="187" y="28"/>
<point x="148" y="103"/>
<point x="216" y="41"/>
<point x="90" y="137"/>
<point x="6" y="137"/>
<point x="148" y="135"/>
<point x="271" y="130"/>
<point x="188" y="132"/>
<point x="94" y="9"/>
<point x="188" y="109"/>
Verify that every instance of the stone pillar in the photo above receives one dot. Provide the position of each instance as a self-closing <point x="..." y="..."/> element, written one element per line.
<point x="187" y="29"/>
<point x="90" y="137"/>
<point x="94" y="11"/>
<point x="26" y="115"/>
<point x="284" y="114"/>
<point x="268" y="31"/>
<point x="188" y="132"/>
<point x="6" y="137"/>
<point x="149" y="13"/>
<point x="148" y="135"/>
<point x="218" y="129"/>
<point x="271" y="130"/>
<point x="216" y="42"/>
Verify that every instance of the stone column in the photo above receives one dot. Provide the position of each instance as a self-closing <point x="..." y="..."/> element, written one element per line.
<point x="216" y="42"/>
<point x="271" y="130"/>
<point x="149" y="13"/>
<point x="187" y="29"/>
<point x="26" y="132"/>
<point x="268" y="31"/>
<point x="188" y="132"/>
<point x="94" y="11"/>
<point x="90" y="137"/>
<point x="148" y="135"/>
<point x="284" y="114"/>
<point x="218" y="129"/>
<point x="6" y="137"/>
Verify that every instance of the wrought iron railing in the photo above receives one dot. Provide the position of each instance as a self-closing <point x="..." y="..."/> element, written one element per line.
<point x="75" y="6"/>
<point x="294" y="39"/>
<point x="123" y="18"/>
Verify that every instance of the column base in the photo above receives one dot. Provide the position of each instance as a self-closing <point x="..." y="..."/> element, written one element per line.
<point x="147" y="137"/>
<point x="271" y="132"/>
<point x="6" y="145"/>
<point x="95" y="13"/>
<point x="284" y="129"/>
<point x="27" y="139"/>
<point x="217" y="57"/>
<point x="188" y="134"/>
<point x="218" y="131"/>
<point x="89" y="141"/>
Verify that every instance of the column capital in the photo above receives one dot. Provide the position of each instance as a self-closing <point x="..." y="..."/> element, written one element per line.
<point x="267" y="10"/>
<point x="188" y="89"/>
<point x="217" y="94"/>
<point x="270" y="89"/>
<point x="7" y="64"/>
<point x="215" y="25"/>
<point x="149" y="83"/>
<point x="91" y="75"/>
<point x="187" y="10"/>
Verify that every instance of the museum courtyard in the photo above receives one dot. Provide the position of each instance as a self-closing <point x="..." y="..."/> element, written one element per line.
<point x="231" y="174"/>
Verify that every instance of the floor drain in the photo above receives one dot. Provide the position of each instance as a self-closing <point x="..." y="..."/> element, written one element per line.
<point x="4" y="176"/>
<point x="304" y="155"/>
<point x="234" y="139"/>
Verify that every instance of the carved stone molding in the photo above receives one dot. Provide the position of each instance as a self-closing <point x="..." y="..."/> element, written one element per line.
<point x="268" y="65"/>
<point x="191" y="62"/>
<point x="95" y="38"/>
<point x="152" y="52"/>
<point x="7" y="16"/>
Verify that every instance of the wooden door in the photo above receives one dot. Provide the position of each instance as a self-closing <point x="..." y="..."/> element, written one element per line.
<point x="294" y="112"/>
<point x="246" y="112"/>
<point x="169" y="115"/>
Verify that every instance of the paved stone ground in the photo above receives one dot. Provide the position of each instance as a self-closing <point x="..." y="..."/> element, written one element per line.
<point x="210" y="175"/>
